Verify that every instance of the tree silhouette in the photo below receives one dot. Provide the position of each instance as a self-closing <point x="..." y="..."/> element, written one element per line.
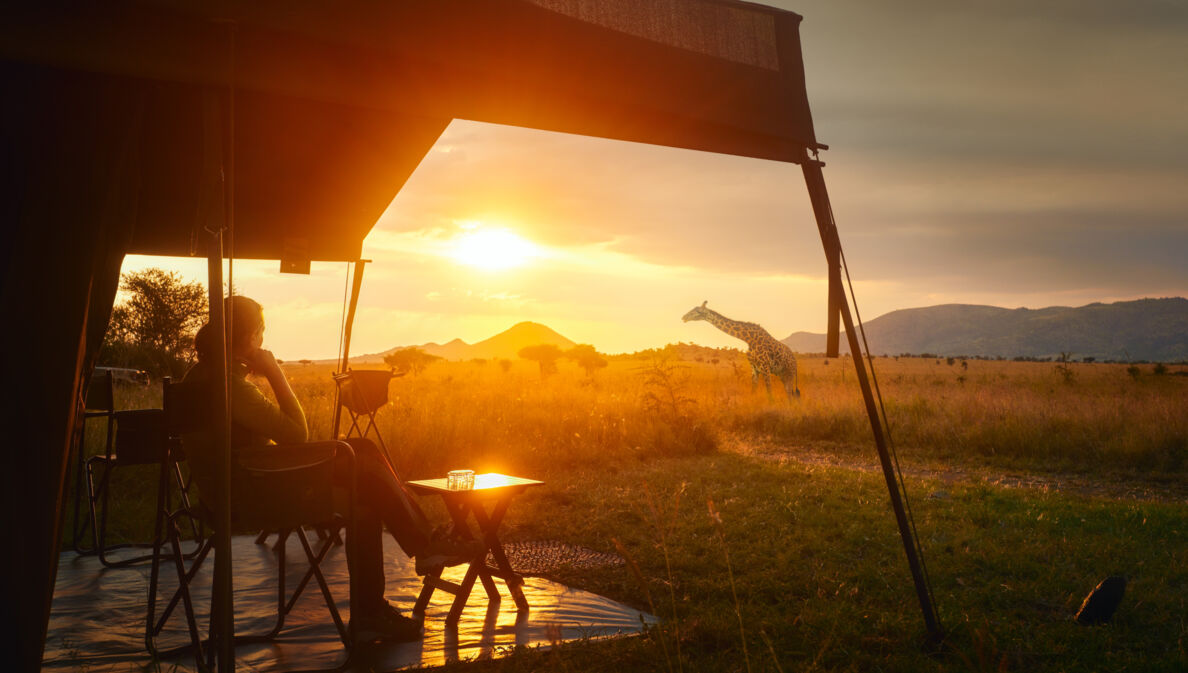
<point x="410" y="359"/>
<point x="587" y="358"/>
<point x="545" y="355"/>
<point x="153" y="327"/>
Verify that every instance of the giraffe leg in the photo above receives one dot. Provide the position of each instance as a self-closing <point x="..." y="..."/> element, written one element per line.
<point x="767" y="382"/>
<point x="754" y="379"/>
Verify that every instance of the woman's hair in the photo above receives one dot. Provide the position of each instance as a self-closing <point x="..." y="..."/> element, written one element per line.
<point x="243" y="316"/>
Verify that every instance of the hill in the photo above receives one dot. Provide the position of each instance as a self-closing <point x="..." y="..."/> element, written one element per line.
<point x="506" y="344"/>
<point x="1145" y="329"/>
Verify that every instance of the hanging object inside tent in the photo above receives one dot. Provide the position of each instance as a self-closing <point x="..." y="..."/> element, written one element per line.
<point x="295" y="257"/>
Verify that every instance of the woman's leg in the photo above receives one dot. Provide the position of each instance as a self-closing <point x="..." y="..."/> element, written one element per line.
<point x="382" y="491"/>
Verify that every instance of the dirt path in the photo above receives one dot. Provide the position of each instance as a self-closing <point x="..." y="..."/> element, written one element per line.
<point x="1149" y="490"/>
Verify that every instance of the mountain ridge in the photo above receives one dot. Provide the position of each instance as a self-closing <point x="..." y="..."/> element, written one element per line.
<point x="506" y="344"/>
<point x="1142" y="329"/>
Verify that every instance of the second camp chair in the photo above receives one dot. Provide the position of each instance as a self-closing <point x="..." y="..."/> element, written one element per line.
<point x="279" y="488"/>
<point x="140" y="440"/>
<point x="99" y="404"/>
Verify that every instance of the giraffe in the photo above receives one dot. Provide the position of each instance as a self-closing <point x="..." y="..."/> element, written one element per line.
<point x="766" y="355"/>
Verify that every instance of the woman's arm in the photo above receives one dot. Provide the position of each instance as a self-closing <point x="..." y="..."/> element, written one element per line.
<point x="285" y="425"/>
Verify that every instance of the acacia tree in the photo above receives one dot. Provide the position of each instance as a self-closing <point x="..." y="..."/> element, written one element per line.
<point x="153" y="325"/>
<point x="410" y="359"/>
<point x="545" y="355"/>
<point x="587" y="358"/>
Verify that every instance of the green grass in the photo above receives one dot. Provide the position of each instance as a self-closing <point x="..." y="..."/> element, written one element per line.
<point x="817" y="564"/>
<point x="822" y="579"/>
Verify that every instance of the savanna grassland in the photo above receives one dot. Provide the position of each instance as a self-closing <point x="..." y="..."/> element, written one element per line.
<point x="757" y="532"/>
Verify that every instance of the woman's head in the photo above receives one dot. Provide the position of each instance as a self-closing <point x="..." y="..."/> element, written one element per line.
<point x="244" y="319"/>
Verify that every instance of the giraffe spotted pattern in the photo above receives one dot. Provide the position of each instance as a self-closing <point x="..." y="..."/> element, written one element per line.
<point x="767" y="356"/>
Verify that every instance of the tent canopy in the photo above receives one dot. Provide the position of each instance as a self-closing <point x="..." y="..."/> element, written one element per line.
<point x="336" y="103"/>
<point x="115" y="125"/>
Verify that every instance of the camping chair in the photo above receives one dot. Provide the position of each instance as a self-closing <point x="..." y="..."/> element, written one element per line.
<point x="140" y="439"/>
<point x="281" y="489"/>
<point x="99" y="403"/>
<point x="364" y="392"/>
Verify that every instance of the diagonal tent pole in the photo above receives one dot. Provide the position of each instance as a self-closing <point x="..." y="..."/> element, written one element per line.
<point x="815" y="181"/>
<point x="346" y="341"/>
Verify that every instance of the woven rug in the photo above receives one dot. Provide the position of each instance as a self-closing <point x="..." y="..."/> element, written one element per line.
<point x="539" y="558"/>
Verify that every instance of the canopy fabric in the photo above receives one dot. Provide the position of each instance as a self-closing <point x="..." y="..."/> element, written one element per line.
<point x="336" y="104"/>
<point x="115" y="120"/>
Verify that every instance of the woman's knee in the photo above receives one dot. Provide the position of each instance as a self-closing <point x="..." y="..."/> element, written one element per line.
<point x="362" y="446"/>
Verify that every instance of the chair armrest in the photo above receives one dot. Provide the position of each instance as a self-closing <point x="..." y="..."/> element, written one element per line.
<point x="286" y="457"/>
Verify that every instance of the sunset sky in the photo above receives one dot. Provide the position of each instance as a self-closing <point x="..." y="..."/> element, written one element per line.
<point x="1008" y="153"/>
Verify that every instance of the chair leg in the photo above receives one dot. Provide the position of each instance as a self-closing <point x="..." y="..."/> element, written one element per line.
<point x="183" y="490"/>
<point x="91" y="498"/>
<point x="163" y="498"/>
<point x="81" y="524"/>
<point x="184" y="579"/>
<point x="281" y="611"/>
<point x="154" y="625"/>
<point x="315" y="561"/>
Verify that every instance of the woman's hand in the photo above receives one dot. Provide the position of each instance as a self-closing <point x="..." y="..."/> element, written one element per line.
<point x="263" y="362"/>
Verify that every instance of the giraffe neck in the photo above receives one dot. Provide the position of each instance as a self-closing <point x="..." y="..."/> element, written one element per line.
<point x="735" y="328"/>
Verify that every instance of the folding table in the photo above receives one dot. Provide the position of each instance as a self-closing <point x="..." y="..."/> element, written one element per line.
<point x="488" y="501"/>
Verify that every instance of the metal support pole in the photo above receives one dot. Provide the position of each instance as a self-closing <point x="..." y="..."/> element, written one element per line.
<point x="815" y="180"/>
<point x="221" y="602"/>
<point x="356" y="285"/>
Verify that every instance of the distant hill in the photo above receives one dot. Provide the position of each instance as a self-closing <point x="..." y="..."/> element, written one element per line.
<point x="506" y="344"/>
<point x="1146" y="329"/>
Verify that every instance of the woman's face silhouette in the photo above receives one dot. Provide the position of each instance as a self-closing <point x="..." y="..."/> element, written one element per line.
<point x="247" y="349"/>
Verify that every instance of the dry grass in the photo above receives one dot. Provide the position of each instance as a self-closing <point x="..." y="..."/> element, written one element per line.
<point x="1009" y="414"/>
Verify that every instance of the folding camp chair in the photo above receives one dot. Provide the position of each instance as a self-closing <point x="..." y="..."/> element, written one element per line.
<point x="280" y="489"/>
<point x="139" y="439"/>
<point x="364" y="392"/>
<point x="99" y="403"/>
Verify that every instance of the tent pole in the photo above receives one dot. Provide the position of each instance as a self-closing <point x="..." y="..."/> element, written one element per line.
<point x="356" y="285"/>
<point x="815" y="180"/>
<point x="222" y="598"/>
<point x="221" y="608"/>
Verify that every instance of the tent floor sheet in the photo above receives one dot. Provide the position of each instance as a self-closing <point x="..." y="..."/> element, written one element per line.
<point x="97" y="619"/>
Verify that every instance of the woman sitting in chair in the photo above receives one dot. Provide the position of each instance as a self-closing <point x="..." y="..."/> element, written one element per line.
<point x="382" y="498"/>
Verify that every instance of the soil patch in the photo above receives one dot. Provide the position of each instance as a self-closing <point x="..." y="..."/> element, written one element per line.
<point x="1100" y="486"/>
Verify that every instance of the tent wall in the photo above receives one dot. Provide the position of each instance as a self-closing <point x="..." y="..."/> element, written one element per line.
<point x="68" y="200"/>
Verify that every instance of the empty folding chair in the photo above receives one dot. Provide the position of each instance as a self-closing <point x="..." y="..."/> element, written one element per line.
<point x="99" y="404"/>
<point x="139" y="440"/>
<point x="364" y="392"/>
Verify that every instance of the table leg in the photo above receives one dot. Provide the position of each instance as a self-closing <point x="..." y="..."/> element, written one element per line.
<point x="489" y="525"/>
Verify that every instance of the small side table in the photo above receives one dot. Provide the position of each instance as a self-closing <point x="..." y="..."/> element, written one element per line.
<point x="488" y="501"/>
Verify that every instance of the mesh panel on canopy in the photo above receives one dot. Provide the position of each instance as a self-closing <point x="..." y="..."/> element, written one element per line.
<point x="743" y="34"/>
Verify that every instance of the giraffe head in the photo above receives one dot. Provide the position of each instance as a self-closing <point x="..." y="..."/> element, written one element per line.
<point x="697" y="312"/>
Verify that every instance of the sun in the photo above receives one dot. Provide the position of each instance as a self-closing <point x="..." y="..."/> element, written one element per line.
<point x="493" y="249"/>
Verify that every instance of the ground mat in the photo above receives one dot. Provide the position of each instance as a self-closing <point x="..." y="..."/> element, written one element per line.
<point x="97" y="619"/>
